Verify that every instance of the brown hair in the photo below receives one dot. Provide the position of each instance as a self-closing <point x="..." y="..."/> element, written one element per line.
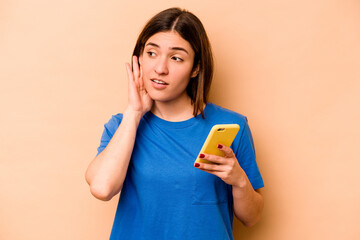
<point x="191" y="29"/>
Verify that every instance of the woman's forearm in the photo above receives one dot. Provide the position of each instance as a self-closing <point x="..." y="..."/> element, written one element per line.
<point x="248" y="203"/>
<point x="106" y="173"/>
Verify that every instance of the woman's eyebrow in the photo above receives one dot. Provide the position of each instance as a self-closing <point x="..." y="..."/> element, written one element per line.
<point x="152" y="44"/>
<point x="180" y="49"/>
<point x="172" y="48"/>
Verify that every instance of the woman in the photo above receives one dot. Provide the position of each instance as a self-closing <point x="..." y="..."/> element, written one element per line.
<point x="148" y="152"/>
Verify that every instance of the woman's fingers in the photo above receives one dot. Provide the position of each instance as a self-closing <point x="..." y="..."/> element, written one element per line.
<point x="228" y="153"/>
<point x="212" y="158"/>
<point x="136" y="68"/>
<point x="218" y="164"/>
<point x="227" y="168"/>
<point x="141" y="82"/>
<point x="226" y="150"/>
<point x="209" y="167"/>
<point x="129" y="72"/>
<point x="139" y="99"/>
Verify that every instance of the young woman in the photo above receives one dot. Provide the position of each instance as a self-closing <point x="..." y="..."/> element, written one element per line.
<point x="147" y="153"/>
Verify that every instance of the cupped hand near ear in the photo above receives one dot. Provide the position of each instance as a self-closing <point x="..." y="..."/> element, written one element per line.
<point x="138" y="99"/>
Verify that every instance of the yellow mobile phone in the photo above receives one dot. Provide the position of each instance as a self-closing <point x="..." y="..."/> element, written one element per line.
<point x="219" y="134"/>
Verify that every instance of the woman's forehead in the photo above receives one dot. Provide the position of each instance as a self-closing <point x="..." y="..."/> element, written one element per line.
<point x="169" y="40"/>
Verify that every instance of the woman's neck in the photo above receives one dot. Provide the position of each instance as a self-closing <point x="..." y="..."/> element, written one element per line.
<point x="174" y="111"/>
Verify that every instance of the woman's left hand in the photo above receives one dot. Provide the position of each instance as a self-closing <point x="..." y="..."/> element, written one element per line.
<point x="227" y="168"/>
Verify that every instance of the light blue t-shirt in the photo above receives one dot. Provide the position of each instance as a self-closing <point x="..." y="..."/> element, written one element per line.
<point x="164" y="196"/>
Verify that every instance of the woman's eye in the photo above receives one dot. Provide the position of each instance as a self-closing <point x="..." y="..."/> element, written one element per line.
<point x="177" y="59"/>
<point x="151" y="54"/>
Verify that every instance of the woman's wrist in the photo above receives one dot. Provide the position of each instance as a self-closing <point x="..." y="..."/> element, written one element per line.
<point x="133" y="114"/>
<point x="241" y="184"/>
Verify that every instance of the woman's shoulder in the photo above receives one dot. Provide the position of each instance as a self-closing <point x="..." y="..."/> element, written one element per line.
<point x="220" y="113"/>
<point x="114" y="122"/>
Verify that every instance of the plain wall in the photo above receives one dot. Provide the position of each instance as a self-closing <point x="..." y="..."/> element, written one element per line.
<point x="292" y="67"/>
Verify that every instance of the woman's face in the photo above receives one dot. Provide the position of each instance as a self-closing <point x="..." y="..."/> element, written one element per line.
<point x="167" y="64"/>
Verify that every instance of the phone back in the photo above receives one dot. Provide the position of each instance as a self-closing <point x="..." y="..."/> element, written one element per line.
<point x="219" y="134"/>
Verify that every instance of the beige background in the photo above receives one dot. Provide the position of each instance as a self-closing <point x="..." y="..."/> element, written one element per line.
<point x="292" y="67"/>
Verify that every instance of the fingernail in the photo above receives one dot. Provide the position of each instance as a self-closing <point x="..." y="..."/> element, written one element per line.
<point x="220" y="146"/>
<point x="201" y="155"/>
<point x="197" y="165"/>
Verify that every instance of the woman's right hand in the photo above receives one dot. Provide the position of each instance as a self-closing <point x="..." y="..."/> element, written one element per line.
<point x="138" y="98"/>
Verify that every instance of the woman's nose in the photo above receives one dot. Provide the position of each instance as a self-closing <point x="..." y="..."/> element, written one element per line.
<point x="161" y="67"/>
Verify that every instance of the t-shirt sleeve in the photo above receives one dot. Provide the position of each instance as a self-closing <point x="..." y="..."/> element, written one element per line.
<point x="109" y="129"/>
<point x="247" y="158"/>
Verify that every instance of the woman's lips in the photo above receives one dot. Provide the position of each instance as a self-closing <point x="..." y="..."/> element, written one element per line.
<point x="158" y="83"/>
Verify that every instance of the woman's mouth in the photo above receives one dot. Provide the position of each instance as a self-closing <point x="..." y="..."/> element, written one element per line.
<point x="158" y="84"/>
<point x="159" y="81"/>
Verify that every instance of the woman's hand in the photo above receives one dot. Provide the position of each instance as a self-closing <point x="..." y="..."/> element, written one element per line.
<point x="227" y="168"/>
<point x="139" y="100"/>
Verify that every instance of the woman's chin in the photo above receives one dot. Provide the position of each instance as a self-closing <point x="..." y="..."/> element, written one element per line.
<point x="159" y="99"/>
<point x="163" y="97"/>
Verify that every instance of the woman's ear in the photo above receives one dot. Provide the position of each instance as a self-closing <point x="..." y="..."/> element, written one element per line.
<point x="195" y="72"/>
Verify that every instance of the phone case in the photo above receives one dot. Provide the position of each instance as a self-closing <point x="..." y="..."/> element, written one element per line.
<point x="219" y="134"/>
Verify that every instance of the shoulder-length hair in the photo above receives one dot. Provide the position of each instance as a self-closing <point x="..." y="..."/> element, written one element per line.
<point x="191" y="29"/>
